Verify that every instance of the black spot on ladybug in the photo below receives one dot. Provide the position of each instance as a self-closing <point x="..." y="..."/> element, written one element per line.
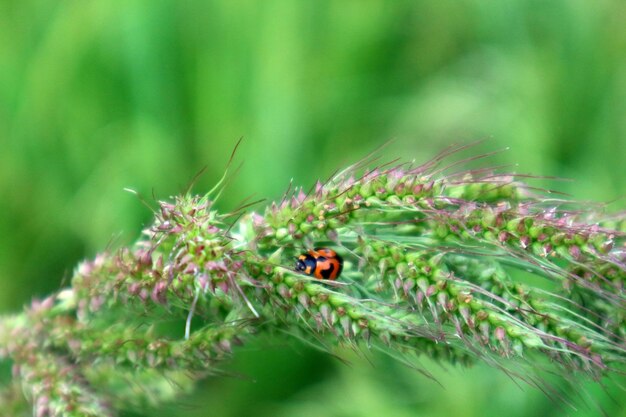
<point x="327" y="273"/>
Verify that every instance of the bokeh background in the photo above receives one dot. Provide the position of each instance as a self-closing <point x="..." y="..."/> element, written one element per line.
<point x="96" y="96"/>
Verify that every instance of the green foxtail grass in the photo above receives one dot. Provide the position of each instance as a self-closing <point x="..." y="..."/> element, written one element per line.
<point x="435" y="265"/>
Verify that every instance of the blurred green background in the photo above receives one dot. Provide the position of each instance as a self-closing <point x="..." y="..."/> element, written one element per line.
<point x="96" y="96"/>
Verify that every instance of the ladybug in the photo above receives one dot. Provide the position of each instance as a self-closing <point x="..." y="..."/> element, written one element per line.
<point x="322" y="263"/>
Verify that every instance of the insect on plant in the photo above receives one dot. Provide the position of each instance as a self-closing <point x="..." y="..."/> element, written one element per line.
<point x="438" y="267"/>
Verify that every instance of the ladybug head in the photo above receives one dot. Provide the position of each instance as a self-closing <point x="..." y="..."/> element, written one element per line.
<point x="300" y="265"/>
<point x="306" y="264"/>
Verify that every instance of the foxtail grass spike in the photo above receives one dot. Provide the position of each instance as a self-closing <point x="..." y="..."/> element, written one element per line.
<point x="434" y="265"/>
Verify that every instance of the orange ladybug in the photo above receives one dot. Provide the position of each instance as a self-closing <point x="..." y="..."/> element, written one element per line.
<point x="322" y="263"/>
